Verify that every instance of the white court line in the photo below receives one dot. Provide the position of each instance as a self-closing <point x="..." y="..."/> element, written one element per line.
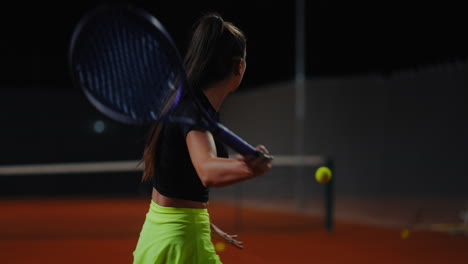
<point x="127" y="166"/>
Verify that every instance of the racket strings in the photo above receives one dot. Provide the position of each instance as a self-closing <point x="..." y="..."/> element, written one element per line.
<point x="127" y="66"/>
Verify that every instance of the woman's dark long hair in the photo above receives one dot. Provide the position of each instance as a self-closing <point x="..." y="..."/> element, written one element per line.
<point x="216" y="47"/>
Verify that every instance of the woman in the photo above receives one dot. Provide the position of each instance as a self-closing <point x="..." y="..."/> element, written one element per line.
<point x="184" y="161"/>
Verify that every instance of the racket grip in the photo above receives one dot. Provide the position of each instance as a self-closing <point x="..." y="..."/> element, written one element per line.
<point x="237" y="143"/>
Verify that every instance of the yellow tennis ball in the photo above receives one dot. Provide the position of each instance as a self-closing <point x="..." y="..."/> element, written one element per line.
<point x="405" y="234"/>
<point x="220" y="246"/>
<point x="323" y="174"/>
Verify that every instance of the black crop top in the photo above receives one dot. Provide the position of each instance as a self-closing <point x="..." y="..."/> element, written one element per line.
<point x="175" y="176"/>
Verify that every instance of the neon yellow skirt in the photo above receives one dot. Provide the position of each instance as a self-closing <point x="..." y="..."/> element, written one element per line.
<point x="175" y="236"/>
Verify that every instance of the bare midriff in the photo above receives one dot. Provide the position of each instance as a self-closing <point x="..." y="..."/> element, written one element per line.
<point x="175" y="202"/>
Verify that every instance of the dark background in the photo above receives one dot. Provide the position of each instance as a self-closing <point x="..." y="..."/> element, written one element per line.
<point x="44" y="119"/>
<point x="342" y="37"/>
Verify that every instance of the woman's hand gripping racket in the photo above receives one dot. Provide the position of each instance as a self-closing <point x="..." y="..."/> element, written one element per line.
<point x="130" y="70"/>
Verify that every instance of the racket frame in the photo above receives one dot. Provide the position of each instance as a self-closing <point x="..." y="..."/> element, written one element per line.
<point x="217" y="129"/>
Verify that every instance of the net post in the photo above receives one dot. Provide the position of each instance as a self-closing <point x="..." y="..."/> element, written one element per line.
<point x="300" y="103"/>
<point x="329" y="197"/>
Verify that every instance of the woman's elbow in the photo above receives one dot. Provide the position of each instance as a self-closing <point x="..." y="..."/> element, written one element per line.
<point x="207" y="183"/>
<point x="206" y="177"/>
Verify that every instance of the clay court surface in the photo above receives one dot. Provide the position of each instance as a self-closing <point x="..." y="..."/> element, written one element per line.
<point x="106" y="230"/>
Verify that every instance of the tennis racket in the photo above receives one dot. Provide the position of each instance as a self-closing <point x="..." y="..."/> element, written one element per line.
<point x="130" y="70"/>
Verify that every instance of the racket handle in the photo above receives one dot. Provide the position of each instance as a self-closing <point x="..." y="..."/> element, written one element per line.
<point x="238" y="144"/>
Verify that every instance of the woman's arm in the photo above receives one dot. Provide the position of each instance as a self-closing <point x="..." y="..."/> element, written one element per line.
<point x="220" y="172"/>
